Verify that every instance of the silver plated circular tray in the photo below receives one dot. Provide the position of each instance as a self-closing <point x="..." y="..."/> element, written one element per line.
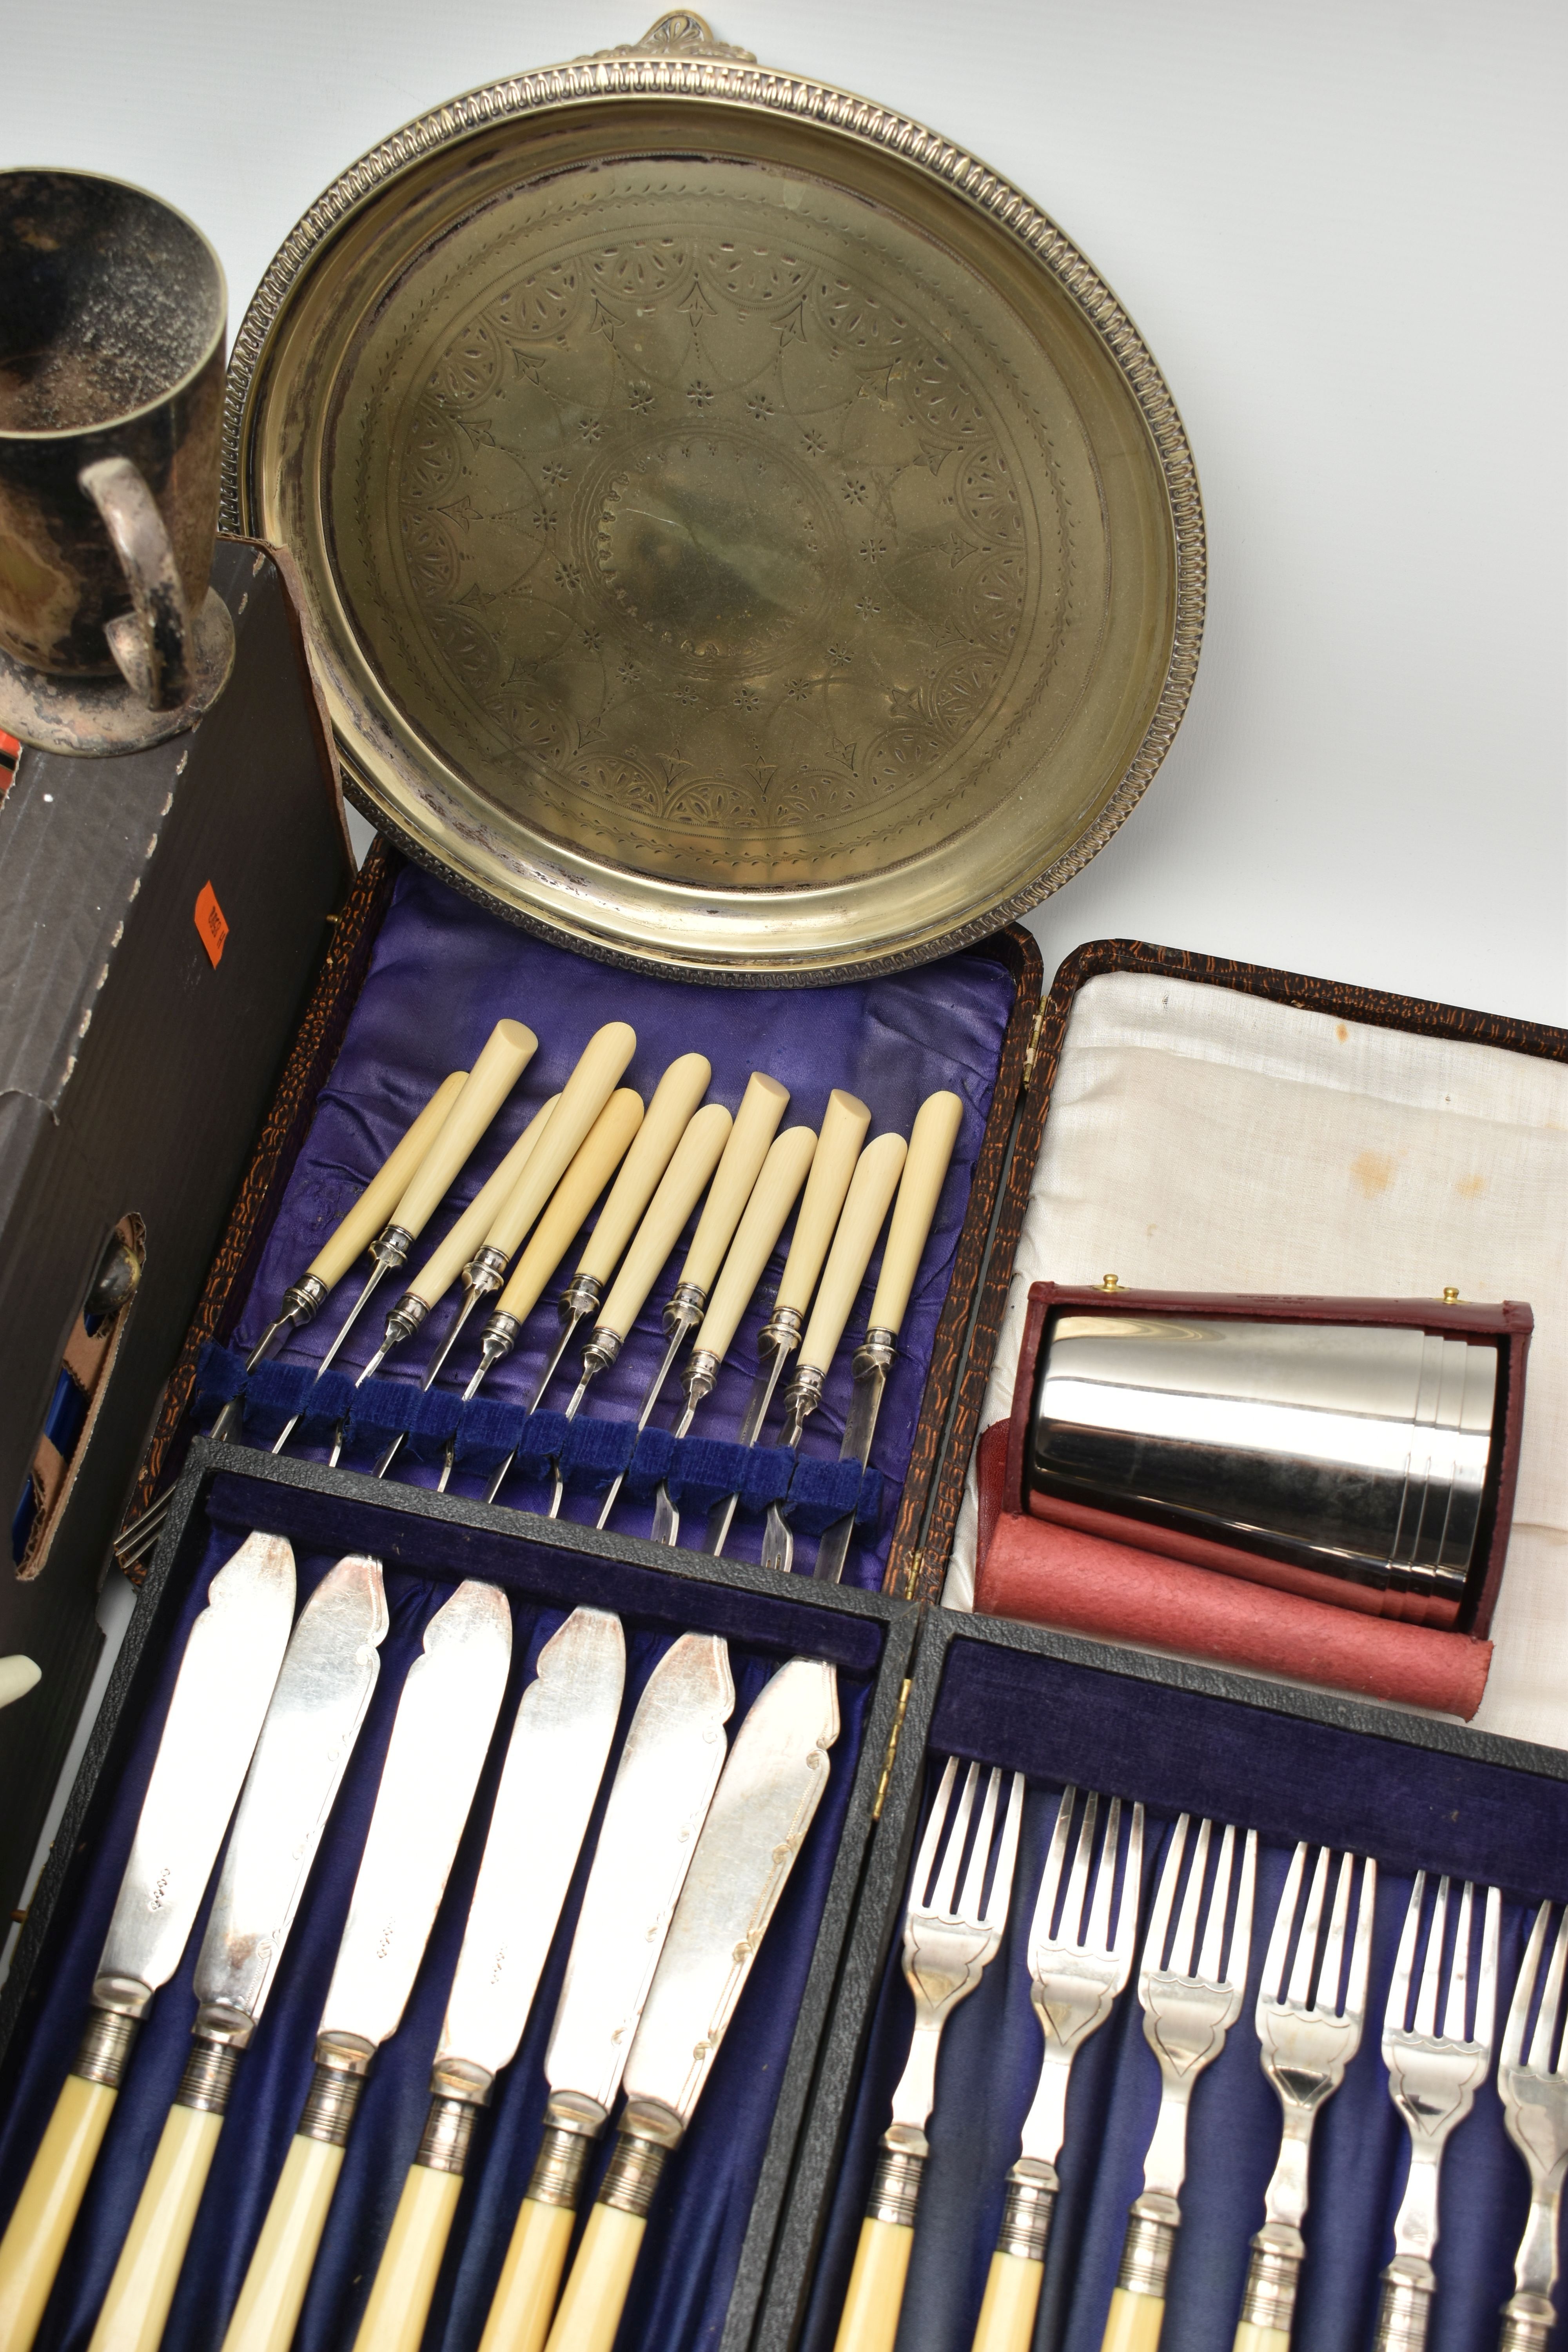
<point x="740" y="533"/>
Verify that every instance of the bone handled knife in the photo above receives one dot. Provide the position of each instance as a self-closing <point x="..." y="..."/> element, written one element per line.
<point x="931" y="1142"/>
<point x="669" y="1114"/>
<point x="225" y="1680"/>
<point x="770" y="1788"/>
<point x="582" y="1097"/>
<point x="663" y="1787"/>
<point x="318" y="1706"/>
<point x="553" y="1766"/>
<point x="446" y="1714"/>
<point x="766" y="1214"/>
<point x="871" y="1194"/>
<point x="843" y="1125"/>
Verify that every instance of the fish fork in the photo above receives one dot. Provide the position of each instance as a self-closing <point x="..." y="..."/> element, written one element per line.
<point x="1305" y="2046"/>
<point x="1433" y="2079"/>
<point x="1187" y="2012"/>
<point x="948" y="1945"/>
<point x="1078" y="1967"/>
<point x="1535" y="2109"/>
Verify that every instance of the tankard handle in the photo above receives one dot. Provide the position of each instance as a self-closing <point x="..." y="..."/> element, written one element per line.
<point x="152" y="643"/>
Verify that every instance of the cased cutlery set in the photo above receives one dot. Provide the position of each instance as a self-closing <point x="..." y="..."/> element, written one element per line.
<point x="1192" y="1975"/>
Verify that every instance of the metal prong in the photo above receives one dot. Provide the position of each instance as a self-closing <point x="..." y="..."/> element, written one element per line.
<point x="1404" y="1959"/>
<point x="1078" y="1883"/>
<point x="1486" y="1984"/>
<point x="926" y="1859"/>
<point x="971" y="1900"/>
<point x="1241" y="1928"/>
<point x="1274" y="1959"/>
<point x="1098" y="1932"/>
<point x="1307" y="1943"/>
<point x="1551" y="2000"/>
<point x="1432" y="1966"/>
<point x="943" y="1894"/>
<point x="1328" y="2000"/>
<point x="1212" y="1957"/>
<point x="1164" y="1896"/>
<point x="1455" y="2010"/>
<point x="1001" y="1894"/>
<point x="1185" y="1939"/>
<point x="1131" y="1889"/>
<point x="1051" y="1876"/>
<point x="1519" y="2007"/>
<point x="1360" y="1950"/>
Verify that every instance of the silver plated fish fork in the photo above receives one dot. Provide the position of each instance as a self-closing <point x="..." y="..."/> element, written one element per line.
<point x="1433" y="2078"/>
<point x="1078" y="1963"/>
<point x="1307" y="2034"/>
<point x="1536" y="2108"/>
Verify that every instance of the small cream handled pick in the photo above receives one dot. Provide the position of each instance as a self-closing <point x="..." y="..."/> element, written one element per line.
<point x="871" y="1190"/>
<point x="674" y="1106"/>
<point x="870" y="2321"/>
<point x="506" y="1053"/>
<point x="372" y="1211"/>
<point x="931" y="1142"/>
<point x="762" y="1105"/>
<point x="844" y="1125"/>
<point x="699" y="1153"/>
<point x="616" y="1129"/>
<point x="447" y="1260"/>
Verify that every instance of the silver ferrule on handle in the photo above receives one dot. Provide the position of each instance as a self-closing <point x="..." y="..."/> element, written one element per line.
<point x="782" y="1333"/>
<point x="604" y="1346"/>
<point x="572" y="2125"/>
<point x="700" y="1376"/>
<point x="896" y="2182"/>
<point x="1150" y="2242"/>
<point x="300" y="1304"/>
<point x="390" y="1248"/>
<point x="403" y="1321"/>
<point x="457" y="2092"/>
<point x="118" y="2004"/>
<point x="1025" y="2229"/>
<point x="648" y="2134"/>
<point x="583" y="1296"/>
<point x="498" y="1338"/>
<point x="1273" y="2273"/>
<point x="1404" y="2306"/>
<point x="802" y="1398"/>
<point x="343" y="2062"/>
<point x="1528" y="2321"/>
<point x="485" y="1272"/>
<point x="876" y="1353"/>
<point x="219" y="2036"/>
<point x="685" y="1308"/>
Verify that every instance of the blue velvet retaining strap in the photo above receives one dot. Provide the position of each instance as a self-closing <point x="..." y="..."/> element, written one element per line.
<point x="588" y="1453"/>
<point x="700" y="2218"/>
<point x="442" y="972"/>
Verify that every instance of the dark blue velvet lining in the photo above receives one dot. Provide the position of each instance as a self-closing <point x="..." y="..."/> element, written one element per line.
<point x="1288" y="1779"/>
<point x="442" y="973"/>
<point x="589" y="1453"/>
<point x="700" y="2216"/>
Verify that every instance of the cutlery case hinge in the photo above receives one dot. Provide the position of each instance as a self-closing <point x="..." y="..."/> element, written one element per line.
<point x="892" y="1750"/>
<point x="1034" y="1049"/>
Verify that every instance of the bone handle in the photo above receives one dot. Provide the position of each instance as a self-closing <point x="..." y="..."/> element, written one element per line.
<point x="765" y="1218"/>
<point x="756" y="1123"/>
<point x="36" y="2236"/>
<point x="400" y="2300"/>
<point x="372" y="1213"/>
<point x="843" y="1125"/>
<point x="597" y="1161"/>
<point x="674" y="1101"/>
<point x="507" y="1052"/>
<point x="142" y="2287"/>
<point x="1134" y="2323"/>
<point x="273" y="2295"/>
<point x="931" y="1142"/>
<point x="1249" y="2338"/>
<point x="871" y="1189"/>
<point x="1012" y="2299"/>
<point x="681" y="1186"/>
<point x="597" y="2290"/>
<point x="446" y="1261"/>
<point x="582" y="1097"/>
<point x="870" y="2320"/>
<point x="531" y="2278"/>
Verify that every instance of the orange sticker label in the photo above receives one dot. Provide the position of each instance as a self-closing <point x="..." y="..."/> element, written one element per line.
<point x="210" y="924"/>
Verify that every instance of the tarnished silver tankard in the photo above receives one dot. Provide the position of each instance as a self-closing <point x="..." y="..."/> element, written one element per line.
<point x="112" y="314"/>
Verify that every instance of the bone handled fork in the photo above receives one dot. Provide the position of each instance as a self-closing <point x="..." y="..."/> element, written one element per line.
<point x="1187" y="2012"/>
<point x="1078" y="1965"/>
<point x="947" y="1946"/>
<point x="1433" y="2078"/>
<point x="1308" y="2034"/>
<point x="1535" y="2095"/>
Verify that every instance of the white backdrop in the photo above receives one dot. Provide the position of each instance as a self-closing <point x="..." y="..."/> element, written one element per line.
<point x="1337" y="223"/>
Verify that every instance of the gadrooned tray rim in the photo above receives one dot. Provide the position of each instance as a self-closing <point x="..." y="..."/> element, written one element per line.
<point x="696" y="68"/>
